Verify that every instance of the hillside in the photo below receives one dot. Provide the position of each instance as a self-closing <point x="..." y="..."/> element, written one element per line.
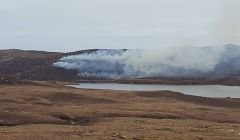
<point x="38" y="65"/>
<point x="32" y="65"/>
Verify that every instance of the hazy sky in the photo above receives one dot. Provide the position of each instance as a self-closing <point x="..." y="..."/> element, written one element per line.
<point x="68" y="25"/>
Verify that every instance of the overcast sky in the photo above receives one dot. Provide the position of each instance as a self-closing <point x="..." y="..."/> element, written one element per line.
<point x="69" y="25"/>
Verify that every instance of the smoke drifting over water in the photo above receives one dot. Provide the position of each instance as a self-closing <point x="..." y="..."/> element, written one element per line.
<point x="165" y="62"/>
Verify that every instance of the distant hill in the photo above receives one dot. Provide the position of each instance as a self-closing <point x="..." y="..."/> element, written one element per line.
<point x="33" y="65"/>
<point x="38" y="65"/>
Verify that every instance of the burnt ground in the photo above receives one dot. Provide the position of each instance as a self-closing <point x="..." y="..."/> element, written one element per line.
<point x="33" y="65"/>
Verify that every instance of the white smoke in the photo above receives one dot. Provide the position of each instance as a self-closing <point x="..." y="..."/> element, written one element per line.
<point x="165" y="62"/>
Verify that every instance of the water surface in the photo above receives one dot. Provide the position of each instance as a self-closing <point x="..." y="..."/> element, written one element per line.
<point x="198" y="90"/>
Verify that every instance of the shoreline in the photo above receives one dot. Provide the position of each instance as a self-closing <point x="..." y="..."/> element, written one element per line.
<point x="167" y="81"/>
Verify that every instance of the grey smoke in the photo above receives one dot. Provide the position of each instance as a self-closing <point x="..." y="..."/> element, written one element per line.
<point x="166" y="62"/>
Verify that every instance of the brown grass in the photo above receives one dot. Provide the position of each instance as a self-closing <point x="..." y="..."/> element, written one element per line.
<point x="55" y="112"/>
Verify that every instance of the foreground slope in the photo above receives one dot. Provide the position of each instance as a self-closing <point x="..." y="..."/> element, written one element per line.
<point x="51" y="111"/>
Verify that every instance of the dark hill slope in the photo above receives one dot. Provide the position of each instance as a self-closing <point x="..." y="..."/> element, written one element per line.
<point x="38" y="65"/>
<point x="33" y="65"/>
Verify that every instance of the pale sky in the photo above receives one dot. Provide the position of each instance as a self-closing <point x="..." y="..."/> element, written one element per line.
<point x="70" y="25"/>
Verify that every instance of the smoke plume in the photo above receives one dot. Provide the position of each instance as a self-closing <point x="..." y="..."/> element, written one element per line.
<point x="165" y="62"/>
